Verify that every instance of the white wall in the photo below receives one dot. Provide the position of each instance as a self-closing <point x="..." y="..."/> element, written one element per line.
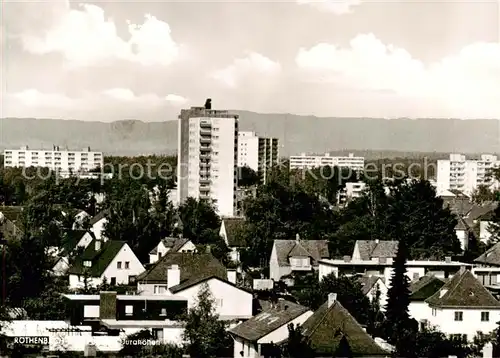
<point x="162" y="250"/>
<point x="463" y="238"/>
<point x="484" y="231"/>
<point x="248" y="150"/>
<point x="275" y="270"/>
<point x="444" y="319"/>
<point x="122" y="275"/>
<point x="383" y="294"/>
<point x="98" y="229"/>
<point x="419" y="310"/>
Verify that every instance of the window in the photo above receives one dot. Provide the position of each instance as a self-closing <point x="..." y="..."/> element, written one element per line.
<point x="127" y="264"/>
<point x="163" y="312"/>
<point x="129" y="310"/>
<point x="159" y="289"/>
<point x="434" y="312"/>
<point x="459" y="316"/>
<point x="87" y="263"/>
<point x="112" y="281"/>
<point x="119" y="265"/>
<point x="131" y="279"/>
<point x="485" y="316"/>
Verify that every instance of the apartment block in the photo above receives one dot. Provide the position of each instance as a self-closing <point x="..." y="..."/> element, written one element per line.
<point x="304" y="161"/>
<point x="62" y="161"/>
<point x="257" y="153"/>
<point x="465" y="175"/>
<point x="208" y="157"/>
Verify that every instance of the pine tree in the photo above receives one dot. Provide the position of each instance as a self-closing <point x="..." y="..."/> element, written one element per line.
<point x="397" y="316"/>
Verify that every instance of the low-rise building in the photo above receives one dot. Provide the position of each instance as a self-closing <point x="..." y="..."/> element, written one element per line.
<point x="230" y="231"/>
<point x="71" y="242"/>
<point x="370" y="285"/>
<point x="171" y="244"/>
<point x="420" y="290"/>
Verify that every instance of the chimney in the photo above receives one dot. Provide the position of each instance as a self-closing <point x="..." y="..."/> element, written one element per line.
<point x="208" y="103"/>
<point x="97" y="245"/>
<point x="231" y="276"/>
<point x="208" y="250"/>
<point x="107" y="305"/>
<point x="447" y="259"/>
<point x="347" y="258"/>
<point x="297" y="237"/>
<point x="377" y="241"/>
<point x="332" y="297"/>
<point x="173" y="276"/>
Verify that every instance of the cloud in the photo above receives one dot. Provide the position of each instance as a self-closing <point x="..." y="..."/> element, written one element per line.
<point x="254" y="64"/>
<point x="85" y="37"/>
<point x="127" y="95"/>
<point x="338" y="7"/>
<point x="468" y="81"/>
<point x="35" y="98"/>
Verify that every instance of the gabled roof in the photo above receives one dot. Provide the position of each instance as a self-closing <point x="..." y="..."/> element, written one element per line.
<point x="268" y="321"/>
<point x="10" y="230"/>
<point x="13" y="213"/>
<point x="194" y="267"/>
<point x="462" y="225"/>
<point x="232" y="226"/>
<point x="425" y="287"/>
<point x="459" y="206"/>
<point x="316" y="249"/>
<point x="321" y="327"/>
<point x="172" y="243"/>
<point x="463" y="291"/>
<point x="490" y="257"/>
<point x="478" y="212"/>
<point x="71" y="239"/>
<point x="367" y="283"/>
<point x="369" y="249"/>
<point x="100" y="259"/>
<point x="101" y="215"/>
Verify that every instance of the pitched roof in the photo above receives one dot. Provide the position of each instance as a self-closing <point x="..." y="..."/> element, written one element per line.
<point x="458" y="206"/>
<point x="462" y="224"/>
<point x="269" y="320"/>
<point x="321" y="327"/>
<point x="316" y="249"/>
<point x="100" y="259"/>
<point x="71" y="239"/>
<point x="13" y="213"/>
<point x="194" y="267"/>
<point x="490" y="257"/>
<point x="10" y="230"/>
<point x="101" y="215"/>
<point x="369" y="249"/>
<point x="367" y="283"/>
<point x="425" y="287"/>
<point x="172" y="243"/>
<point x="232" y="226"/>
<point x="465" y="291"/>
<point x="478" y="212"/>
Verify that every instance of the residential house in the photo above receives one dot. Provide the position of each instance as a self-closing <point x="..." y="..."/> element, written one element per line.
<point x="183" y="274"/>
<point x="229" y="231"/>
<point x="382" y="267"/>
<point x="171" y="244"/>
<point x="463" y="307"/>
<point x="292" y="256"/>
<point x="111" y="260"/>
<point x="479" y="218"/>
<point x="462" y="230"/>
<point x="9" y="229"/>
<point x="72" y="241"/>
<point x="487" y="268"/>
<point x="420" y="290"/>
<point x="374" y="249"/>
<point x="254" y="337"/>
<point x="97" y="225"/>
<point x="330" y="323"/>
<point x="370" y="285"/>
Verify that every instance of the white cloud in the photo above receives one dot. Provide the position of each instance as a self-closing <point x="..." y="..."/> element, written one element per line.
<point x="468" y="81"/>
<point x="175" y="99"/>
<point x="338" y="7"/>
<point x="35" y="98"/>
<point x="86" y="37"/>
<point x="253" y="64"/>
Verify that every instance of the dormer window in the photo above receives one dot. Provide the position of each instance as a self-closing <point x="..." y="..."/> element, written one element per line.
<point x="300" y="261"/>
<point x="87" y="263"/>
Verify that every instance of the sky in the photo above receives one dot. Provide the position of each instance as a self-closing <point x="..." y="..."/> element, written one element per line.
<point x="144" y="60"/>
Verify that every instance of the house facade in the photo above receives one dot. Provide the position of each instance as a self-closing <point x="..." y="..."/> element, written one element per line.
<point x="73" y="240"/>
<point x="370" y="285"/>
<point x="98" y="225"/>
<point x="295" y="256"/>
<point x="171" y="244"/>
<point x="229" y="231"/>
<point x="113" y="261"/>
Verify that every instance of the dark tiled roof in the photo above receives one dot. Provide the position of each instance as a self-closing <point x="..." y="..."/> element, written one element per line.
<point x="98" y="217"/>
<point x="463" y="290"/>
<point x="367" y="283"/>
<point x="172" y="243"/>
<point x="100" y="259"/>
<point x="369" y="249"/>
<point x="10" y="230"/>
<point x="425" y="287"/>
<point x="321" y="327"/>
<point x="458" y="206"/>
<point x="490" y="257"/>
<point x="194" y="267"/>
<point x="462" y="225"/>
<point x="71" y="238"/>
<point x="269" y="320"/>
<point x="316" y="249"/>
<point x="478" y="212"/>
<point x="13" y="213"/>
<point x="232" y="226"/>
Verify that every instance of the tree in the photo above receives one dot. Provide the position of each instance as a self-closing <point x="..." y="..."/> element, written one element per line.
<point x="375" y="316"/>
<point x="204" y="333"/>
<point x="483" y="194"/>
<point x="247" y="177"/>
<point x="200" y="222"/>
<point x="132" y="347"/>
<point x="398" y="324"/>
<point x="297" y="345"/>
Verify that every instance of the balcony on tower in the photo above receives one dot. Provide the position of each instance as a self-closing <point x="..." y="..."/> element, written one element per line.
<point x="205" y="180"/>
<point x="205" y="124"/>
<point x="205" y="140"/>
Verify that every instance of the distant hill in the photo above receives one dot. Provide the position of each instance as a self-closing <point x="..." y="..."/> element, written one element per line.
<point x="372" y="137"/>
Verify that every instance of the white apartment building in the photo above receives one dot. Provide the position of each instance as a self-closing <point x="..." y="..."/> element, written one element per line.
<point x="63" y="161"/>
<point x="304" y="161"/>
<point x="207" y="157"/>
<point x="257" y="153"/>
<point x="464" y="174"/>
